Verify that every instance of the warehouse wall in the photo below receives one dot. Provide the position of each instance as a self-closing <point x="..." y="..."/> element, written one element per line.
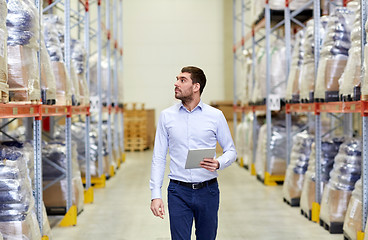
<point x="162" y="36"/>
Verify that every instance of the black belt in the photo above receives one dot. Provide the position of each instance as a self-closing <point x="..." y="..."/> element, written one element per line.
<point x="195" y="185"/>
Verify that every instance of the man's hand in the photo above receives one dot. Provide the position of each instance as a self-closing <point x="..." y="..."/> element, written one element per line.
<point x="211" y="164"/>
<point x="157" y="207"/>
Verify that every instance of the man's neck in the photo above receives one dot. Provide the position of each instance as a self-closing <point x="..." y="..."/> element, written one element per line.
<point x="191" y="104"/>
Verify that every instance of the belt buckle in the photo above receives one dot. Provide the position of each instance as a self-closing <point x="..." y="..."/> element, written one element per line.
<point x="196" y="186"/>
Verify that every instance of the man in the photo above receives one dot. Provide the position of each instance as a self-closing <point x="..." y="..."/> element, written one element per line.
<point x="192" y="193"/>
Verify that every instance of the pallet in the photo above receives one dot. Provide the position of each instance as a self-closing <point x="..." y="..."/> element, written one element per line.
<point x="333" y="228"/>
<point x="294" y="202"/>
<point x="306" y="215"/>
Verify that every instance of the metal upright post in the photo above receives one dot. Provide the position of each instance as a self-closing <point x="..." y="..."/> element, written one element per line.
<point x="122" y="68"/>
<point x="364" y="121"/>
<point x="318" y="139"/>
<point x="116" y="83"/>
<point x="235" y="68"/>
<point x="88" y="119"/>
<point x="108" y="103"/>
<point x="37" y="141"/>
<point x="99" y="58"/>
<point x="268" y="87"/>
<point x="68" y="123"/>
<point x="288" y="63"/>
<point x="254" y="133"/>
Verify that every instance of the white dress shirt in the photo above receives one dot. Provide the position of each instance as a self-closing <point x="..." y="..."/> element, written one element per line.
<point x="179" y="130"/>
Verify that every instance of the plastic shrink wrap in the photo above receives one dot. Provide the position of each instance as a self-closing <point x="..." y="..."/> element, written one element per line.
<point x="17" y="218"/>
<point x="278" y="151"/>
<point x="299" y="159"/>
<point x="353" y="217"/>
<point x="4" y="88"/>
<point x="244" y="140"/>
<point x="330" y="148"/>
<point x="334" y="55"/>
<point x="350" y="80"/>
<point x="244" y="80"/>
<point x="53" y="32"/>
<point x="307" y="68"/>
<point x="79" y="62"/>
<point x="48" y="83"/>
<point x="345" y="173"/>
<point x="260" y="78"/>
<point x="23" y="70"/>
<point x="364" y="89"/>
<point x="294" y="78"/>
<point x="104" y="80"/>
<point x="55" y="186"/>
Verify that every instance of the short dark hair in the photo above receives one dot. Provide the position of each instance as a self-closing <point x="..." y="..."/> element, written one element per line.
<point x="197" y="75"/>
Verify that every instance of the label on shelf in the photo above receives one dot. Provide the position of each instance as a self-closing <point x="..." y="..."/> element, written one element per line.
<point x="94" y="105"/>
<point x="274" y="102"/>
<point x="15" y="111"/>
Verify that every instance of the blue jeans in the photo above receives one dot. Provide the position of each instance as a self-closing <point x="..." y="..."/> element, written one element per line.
<point x="185" y="204"/>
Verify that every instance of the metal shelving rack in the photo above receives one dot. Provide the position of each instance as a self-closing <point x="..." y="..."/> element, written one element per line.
<point x="316" y="108"/>
<point x="38" y="111"/>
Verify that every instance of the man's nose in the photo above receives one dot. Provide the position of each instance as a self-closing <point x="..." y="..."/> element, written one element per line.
<point x="176" y="83"/>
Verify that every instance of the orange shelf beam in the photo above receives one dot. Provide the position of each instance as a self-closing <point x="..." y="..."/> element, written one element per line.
<point x="19" y="110"/>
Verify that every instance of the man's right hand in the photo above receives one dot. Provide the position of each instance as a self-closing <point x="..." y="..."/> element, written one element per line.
<point x="157" y="207"/>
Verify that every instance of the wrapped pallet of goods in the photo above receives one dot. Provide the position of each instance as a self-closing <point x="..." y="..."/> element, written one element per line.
<point x="248" y="140"/>
<point x="294" y="78"/>
<point x="350" y="80"/>
<point x="364" y="89"/>
<point x="23" y="69"/>
<point x="277" y="165"/>
<point x="52" y="34"/>
<point x="79" y="62"/>
<point x="330" y="148"/>
<point x="55" y="184"/>
<point x="336" y="195"/>
<point x="4" y="88"/>
<point x="334" y="55"/>
<point x="17" y="218"/>
<point x="48" y="82"/>
<point x="353" y="217"/>
<point x="299" y="159"/>
<point x="308" y="69"/>
<point x="104" y="80"/>
<point x="260" y="78"/>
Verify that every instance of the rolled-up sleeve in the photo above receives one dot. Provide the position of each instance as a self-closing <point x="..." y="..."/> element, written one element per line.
<point x="159" y="159"/>
<point x="226" y="142"/>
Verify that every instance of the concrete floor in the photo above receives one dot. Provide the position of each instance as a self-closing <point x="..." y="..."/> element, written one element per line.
<point x="248" y="209"/>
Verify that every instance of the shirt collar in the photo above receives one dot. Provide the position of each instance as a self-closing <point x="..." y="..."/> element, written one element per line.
<point x="199" y="106"/>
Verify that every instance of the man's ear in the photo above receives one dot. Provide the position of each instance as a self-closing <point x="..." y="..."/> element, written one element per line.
<point x="196" y="87"/>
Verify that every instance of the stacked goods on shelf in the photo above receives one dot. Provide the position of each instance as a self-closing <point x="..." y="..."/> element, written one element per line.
<point x="78" y="133"/>
<point x="329" y="149"/>
<point x="55" y="184"/>
<point x="48" y="82"/>
<point x="244" y="137"/>
<point x="4" y="88"/>
<point x="295" y="172"/>
<point x="245" y="80"/>
<point x="278" y="151"/>
<point x="353" y="217"/>
<point x="350" y="79"/>
<point x="79" y="61"/>
<point x="364" y="94"/>
<point x="280" y="4"/>
<point x="334" y="55"/>
<point x="294" y="78"/>
<point x="307" y="68"/>
<point x="23" y="69"/>
<point x="104" y="81"/>
<point x="17" y="217"/>
<point x="277" y="74"/>
<point x="135" y="128"/>
<point x="52" y="34"/>
<point x="345" y="173"/>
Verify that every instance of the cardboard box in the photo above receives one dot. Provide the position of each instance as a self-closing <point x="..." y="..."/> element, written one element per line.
<point x="151" y="127"/>
<point x="63" y="95"/>
<point x="295" y="185"/>
<point x="27" y="229"/>
<point x="56" y="195"/>
<point x="227" y="109"/>
<point x="353" y="218"/>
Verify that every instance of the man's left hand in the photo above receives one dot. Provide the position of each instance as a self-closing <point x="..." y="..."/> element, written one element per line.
<point x="211" y="164"/>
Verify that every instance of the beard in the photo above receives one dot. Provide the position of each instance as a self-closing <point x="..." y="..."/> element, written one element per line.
<point x="184" y="97"/>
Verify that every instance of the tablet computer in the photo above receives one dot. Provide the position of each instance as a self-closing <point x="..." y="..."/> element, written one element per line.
<point x="195" y="156"/>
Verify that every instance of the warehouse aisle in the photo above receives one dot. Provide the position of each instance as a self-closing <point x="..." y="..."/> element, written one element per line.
<point x="248" y="210"/>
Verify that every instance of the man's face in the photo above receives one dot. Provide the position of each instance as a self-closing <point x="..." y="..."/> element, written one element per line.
<point x="184" y="86"/>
